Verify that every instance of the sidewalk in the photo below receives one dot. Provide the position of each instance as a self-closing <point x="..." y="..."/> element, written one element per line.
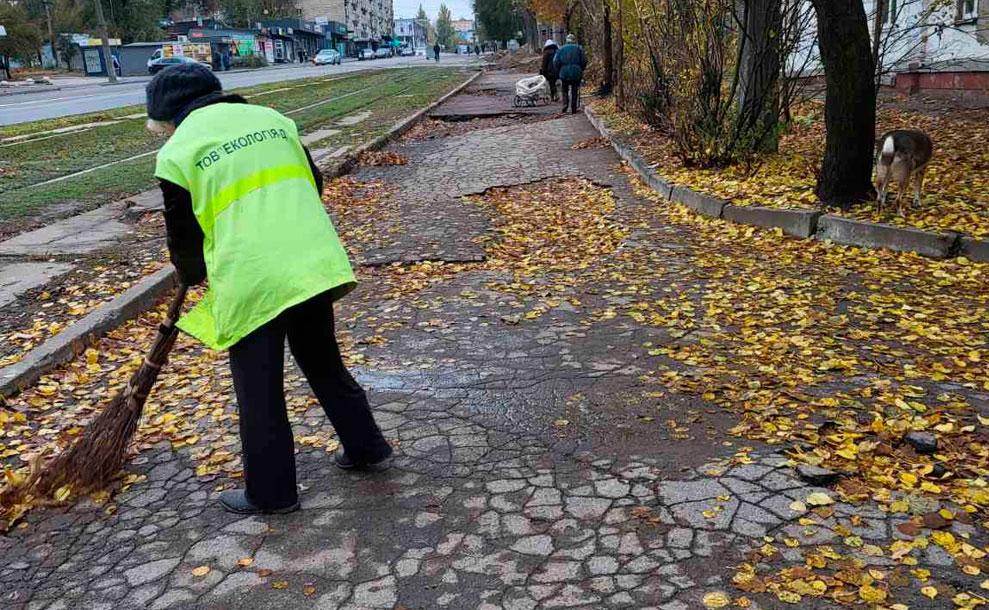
<point x="565" y="367"/>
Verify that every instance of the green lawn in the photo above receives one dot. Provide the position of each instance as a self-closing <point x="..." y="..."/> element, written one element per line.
<point x="29" y="163"/>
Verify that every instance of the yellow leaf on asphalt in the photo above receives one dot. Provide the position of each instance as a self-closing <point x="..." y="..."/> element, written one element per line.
<point x="716" y="599"/>
<point x="819" y="499"/>
<point x="929" y="591"/>
<point x="246" y="561"/>
<point x="200" y="571"/>
<point x="309" y="589"/>
<point x="872" y="595"/>
<point x="280" y="584"/>
<point x="798" y="506"/>
<point x="789" y="597"/>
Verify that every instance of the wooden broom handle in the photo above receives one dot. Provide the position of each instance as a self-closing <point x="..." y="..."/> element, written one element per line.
<point x="176" y="307"/>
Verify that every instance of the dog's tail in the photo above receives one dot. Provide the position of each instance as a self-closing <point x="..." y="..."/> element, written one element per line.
<point x="888" y="151"/>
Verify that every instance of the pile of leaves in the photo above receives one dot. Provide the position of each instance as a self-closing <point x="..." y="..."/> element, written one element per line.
<point x="591" y="143"/>
<point x="956" y="189"/>
<point x="377" y="158"/>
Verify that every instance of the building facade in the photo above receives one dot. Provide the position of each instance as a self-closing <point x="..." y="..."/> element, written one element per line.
<point x="465" y="29"/>
<point x="410" y="33"/>
<point x="924" y="45"/>
<point x="369" y="22"/>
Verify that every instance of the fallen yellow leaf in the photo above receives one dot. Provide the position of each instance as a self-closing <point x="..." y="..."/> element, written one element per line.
<point x="716" y="599"/>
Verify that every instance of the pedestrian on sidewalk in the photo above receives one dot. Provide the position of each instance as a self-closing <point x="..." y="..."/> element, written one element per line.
<point x="436" y="51"/>
<point x="243" y="208"/>
<point x="548" y="68"/>
<point x="570" y="63"/>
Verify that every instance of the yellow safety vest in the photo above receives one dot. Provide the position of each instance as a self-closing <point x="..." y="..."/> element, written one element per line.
<point x="268" y="242"/>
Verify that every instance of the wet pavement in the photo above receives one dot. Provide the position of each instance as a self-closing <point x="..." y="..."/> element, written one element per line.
<point x="539" y="463"/>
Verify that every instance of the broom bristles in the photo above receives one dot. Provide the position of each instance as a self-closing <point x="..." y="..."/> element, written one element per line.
<point x="100" y="451"/>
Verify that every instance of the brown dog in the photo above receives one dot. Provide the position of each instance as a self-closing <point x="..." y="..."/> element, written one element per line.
<point x="903" y="157"/>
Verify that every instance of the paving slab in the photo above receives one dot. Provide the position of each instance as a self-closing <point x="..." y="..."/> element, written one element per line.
<point x="80" y="234"/>
<point x="18" y="278"/>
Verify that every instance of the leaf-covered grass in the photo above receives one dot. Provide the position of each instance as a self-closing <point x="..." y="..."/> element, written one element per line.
<point x="956" y="189"/>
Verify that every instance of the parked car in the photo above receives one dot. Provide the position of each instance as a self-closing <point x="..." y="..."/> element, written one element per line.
<point x="161" y="63"/>
<point x="382" y="53"/>
<point x="326" y="57"/>
<point x="408" y="52"/>
<point x="367" y="53"/>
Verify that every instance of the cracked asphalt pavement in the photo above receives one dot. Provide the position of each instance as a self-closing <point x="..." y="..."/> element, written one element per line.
<point x="537" y="465"/>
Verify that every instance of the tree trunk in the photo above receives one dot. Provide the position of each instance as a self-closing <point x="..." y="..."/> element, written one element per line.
<point x="51" y="34"/>
<point x="759" y="71"/>
<point x="850" y="103"/>
<point x="107" y="58"/>
<point x="877" y="38"/>
<point x="607" y="58"/>
<point x="616" y="79"/>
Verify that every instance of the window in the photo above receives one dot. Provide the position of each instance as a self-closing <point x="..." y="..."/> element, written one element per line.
<point x="968" y="9"/>
<point x="889" y="11"/>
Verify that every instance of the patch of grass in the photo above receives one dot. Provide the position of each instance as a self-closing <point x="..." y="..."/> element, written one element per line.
<point x="75" y="152"/>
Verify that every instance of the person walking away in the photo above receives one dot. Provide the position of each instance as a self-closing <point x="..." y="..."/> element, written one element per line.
<point x="243" y="208"/>
<point x="477" y="50"/>
<point x="548" y="68"/>
<point x="570" y="63"/>
<point x="436" y="51"/>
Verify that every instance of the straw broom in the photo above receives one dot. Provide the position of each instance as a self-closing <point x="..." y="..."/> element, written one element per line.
<point x="101" y="449"/>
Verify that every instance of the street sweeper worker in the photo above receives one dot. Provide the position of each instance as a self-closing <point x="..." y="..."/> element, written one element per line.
<point x="243" y="209"/>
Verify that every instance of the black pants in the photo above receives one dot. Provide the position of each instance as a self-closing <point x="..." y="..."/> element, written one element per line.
<point x="257" y="362"/>
<point x="552" y="88"/>
<point x="571" y="92"/>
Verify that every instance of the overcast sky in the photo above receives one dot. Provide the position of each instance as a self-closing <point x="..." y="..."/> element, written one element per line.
<point x="460" y="9"/>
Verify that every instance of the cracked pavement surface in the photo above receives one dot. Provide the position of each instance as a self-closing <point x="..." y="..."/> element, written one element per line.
<point x="524" y="478"/>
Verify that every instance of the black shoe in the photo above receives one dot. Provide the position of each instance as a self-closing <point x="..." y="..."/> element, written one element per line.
<point x="235" y="501"/>
<point x="343" y="461"/>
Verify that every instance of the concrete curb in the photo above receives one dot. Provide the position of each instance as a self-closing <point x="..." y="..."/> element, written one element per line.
<point x="803" y="223"/>
<point x="142" y="296"/>
<point x="18" y="91"/>
<point x="397" y="130"/>
<point x="852" y="232"/>
<point x="66" y="345"/>
<point x="798" y="223"/>
<point x="974" y="249"/>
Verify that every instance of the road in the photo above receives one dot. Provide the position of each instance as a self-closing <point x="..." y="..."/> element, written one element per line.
<point x="99" y="95"/>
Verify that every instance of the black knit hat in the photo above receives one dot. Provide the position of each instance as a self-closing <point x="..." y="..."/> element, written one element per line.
<point x="176" y="87"/>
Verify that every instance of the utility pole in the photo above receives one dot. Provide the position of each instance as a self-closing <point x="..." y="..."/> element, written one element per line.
<point x="51" y="35"/>
<point x="107" y="59"/>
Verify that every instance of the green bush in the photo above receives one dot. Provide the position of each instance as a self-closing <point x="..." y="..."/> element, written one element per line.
<point x="249" y="61"/>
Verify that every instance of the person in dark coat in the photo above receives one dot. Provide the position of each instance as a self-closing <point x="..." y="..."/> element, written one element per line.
<point x="477" y="50"/>
<point x="436" y="51"/>
<point x="570" y="63"/>
<point x="548" y="68"/>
